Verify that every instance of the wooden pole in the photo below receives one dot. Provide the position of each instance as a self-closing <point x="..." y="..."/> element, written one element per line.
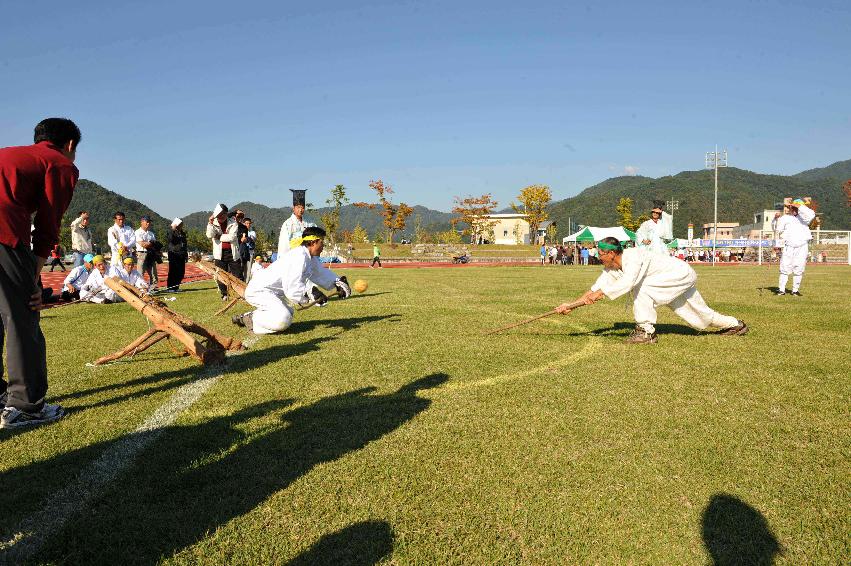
<point x="236" y="286"/>
<point x="170" y="323"/>
<point x="573" y="305"/>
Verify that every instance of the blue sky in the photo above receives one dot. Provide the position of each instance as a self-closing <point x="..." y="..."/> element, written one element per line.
<point x="183" y="104"/>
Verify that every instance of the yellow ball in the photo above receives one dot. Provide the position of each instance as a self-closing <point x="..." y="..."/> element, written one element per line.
<point x="360" y="285"/>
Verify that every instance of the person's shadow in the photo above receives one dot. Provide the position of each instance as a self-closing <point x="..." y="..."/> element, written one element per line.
<point x="360" y="544"/>
<point x="736" y="533"/>
<point x="194" y="479"/>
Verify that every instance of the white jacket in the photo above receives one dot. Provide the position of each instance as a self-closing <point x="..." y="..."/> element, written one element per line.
<point x="133" y="277"/>
<point x="661" y="277"/>
<point x="77" y="277"/>
<point x="94" y="289"/>
<point x="287" y="276"/>
<point x="124" y="235"/>
<point x="214" y="232"/>
<point x="795" y="230"/>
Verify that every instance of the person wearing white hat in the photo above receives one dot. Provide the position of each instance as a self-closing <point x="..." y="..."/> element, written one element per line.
<point x="653" y="233"/>
<point x="223" y="231"/>
<point x="794" y="229"/>
<point x="178" y="253"/>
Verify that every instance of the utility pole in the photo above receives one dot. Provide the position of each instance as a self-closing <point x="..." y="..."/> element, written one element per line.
<point x="714" y="160"/>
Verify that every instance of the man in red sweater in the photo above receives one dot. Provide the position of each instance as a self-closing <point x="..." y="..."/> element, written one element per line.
<point x="35" y="179"/>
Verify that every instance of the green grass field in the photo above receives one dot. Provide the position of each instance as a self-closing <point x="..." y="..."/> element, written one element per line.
<point x="386" y="428"/>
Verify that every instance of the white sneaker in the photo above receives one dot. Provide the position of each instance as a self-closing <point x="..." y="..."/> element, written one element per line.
<point x="14" y="418"/>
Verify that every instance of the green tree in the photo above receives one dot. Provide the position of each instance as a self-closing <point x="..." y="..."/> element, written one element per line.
<point x="450" y="236"/>
<point x="196" y="240"/>
<point x="331" y="219"/>
<point x="264" y="244"/>
<point x="359" y="235"/>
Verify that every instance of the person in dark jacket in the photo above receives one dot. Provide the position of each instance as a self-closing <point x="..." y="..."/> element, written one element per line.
<point x="178" y="253"/>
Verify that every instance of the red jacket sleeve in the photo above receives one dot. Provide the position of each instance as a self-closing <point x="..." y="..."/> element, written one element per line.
<point x="59" y="182"/>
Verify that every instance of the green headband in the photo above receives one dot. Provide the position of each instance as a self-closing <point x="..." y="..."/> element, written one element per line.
<point x="296" y="242"/>
<point x="608" y="246"/>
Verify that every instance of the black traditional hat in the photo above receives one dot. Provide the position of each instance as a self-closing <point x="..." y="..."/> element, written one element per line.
<point x="298" y="197"/>
<point x="660" y="204"/>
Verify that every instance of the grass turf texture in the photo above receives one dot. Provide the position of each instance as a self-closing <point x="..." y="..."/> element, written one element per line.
<point x="385" y="427"/>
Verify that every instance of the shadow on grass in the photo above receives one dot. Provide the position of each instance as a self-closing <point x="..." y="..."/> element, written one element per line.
<point x="250" y="359"/>
<point x="363" y="295"/>
<point x="360" y="544"/>
<point x="624" y="328"/>
<point x="344" y="323"/>
<point x="194" y="479"/>
<point x="736" y="533"/>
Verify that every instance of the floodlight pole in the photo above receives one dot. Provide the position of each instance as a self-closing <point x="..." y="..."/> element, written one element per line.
<point x="713" y="161"/>
<point x="672" y="205"/>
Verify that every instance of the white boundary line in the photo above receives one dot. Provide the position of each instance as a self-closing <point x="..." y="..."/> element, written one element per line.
<point x="31" y="534"/>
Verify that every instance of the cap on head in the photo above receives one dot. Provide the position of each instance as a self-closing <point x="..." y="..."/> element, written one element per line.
<point x="798" y="202"/>
<point x="298" y="197"/>
<point x="129" y="261"/>
<point x="219" y="209"/>
<point x="88" y="258"/>
<point x="97" y="260"/>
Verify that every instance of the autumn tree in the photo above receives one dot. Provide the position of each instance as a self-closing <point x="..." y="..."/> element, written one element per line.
<point x="624" y="210"/>
<point x="475" y="213"/>
<point x="847" y="188"/>
<point x="393" y="216"/>
<point x="331" y="219"/>
<point x="533" y="204"/>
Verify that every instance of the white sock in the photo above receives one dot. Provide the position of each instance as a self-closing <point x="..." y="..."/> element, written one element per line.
<point x="796" y="282"/>
<point x="783" y="280"/>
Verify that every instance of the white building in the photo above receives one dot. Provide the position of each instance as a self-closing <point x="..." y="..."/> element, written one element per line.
<point x="510" y="228"/>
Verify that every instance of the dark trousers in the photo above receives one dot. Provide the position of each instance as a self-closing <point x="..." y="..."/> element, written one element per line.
<point x="66" y="296"/>
<point x="232" y="266"/>
<point x="26" y="355"/>
<point x="149" y="266"/>
<point x="56" y="261"/>
<point x="176" y="269"/>
<point x="374" y="260"/>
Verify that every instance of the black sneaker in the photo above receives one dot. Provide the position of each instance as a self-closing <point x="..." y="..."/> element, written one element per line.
<point x="319" y="297"/>
<point x="15" y="418"/>
<point x="796" y="294"/>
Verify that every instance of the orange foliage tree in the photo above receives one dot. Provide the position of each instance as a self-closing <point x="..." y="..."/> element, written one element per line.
<point x="393" y="216"/>
<point x="475" y="213"/>
<point x="847" y="188"/>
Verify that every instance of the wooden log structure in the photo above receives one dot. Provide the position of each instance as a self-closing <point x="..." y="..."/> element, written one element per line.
<point x="168" y="324"/>
<point x="235" y="285"/>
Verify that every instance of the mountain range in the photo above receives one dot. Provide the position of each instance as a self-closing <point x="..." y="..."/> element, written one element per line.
<point x="741" y="193"/>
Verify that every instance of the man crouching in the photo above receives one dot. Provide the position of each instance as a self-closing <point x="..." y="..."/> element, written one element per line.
<point x="276" y="290"/>
<point x="655" y="280"/>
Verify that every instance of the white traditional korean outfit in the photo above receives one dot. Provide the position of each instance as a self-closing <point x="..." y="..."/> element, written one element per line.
<point x="291" y="228"/>
<point x="656" y="232"/>
<point x="76" y="277"/>
<point x="94" y="290"/>
<point x="656" y="280"/>
<point x="796" y="235"/>
<point x="124" y="238"/>
<point x="275" y="289"/>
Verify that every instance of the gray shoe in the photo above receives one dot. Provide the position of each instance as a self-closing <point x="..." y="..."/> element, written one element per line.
<point x="739" y="330"/>
<point x="244" y="319"/>
<point x="15" y="418"/>
<point x="641" y="336"/>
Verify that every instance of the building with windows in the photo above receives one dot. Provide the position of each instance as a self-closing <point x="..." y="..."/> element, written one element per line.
<point x="510" y="229"/>
<point x="725" y="230"/>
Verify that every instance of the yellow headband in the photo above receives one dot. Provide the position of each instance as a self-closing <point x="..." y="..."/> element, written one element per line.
<point x="296" y="242"/>
<point x="129" y="260"/>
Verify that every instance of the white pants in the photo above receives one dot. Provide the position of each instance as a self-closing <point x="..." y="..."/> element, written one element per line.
<point x="272" y="314"/>
<point x="794" y="260"/>
<point x="689" y="306"/>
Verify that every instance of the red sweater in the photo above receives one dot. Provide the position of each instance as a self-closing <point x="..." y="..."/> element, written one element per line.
<point x="34" y="179"/>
